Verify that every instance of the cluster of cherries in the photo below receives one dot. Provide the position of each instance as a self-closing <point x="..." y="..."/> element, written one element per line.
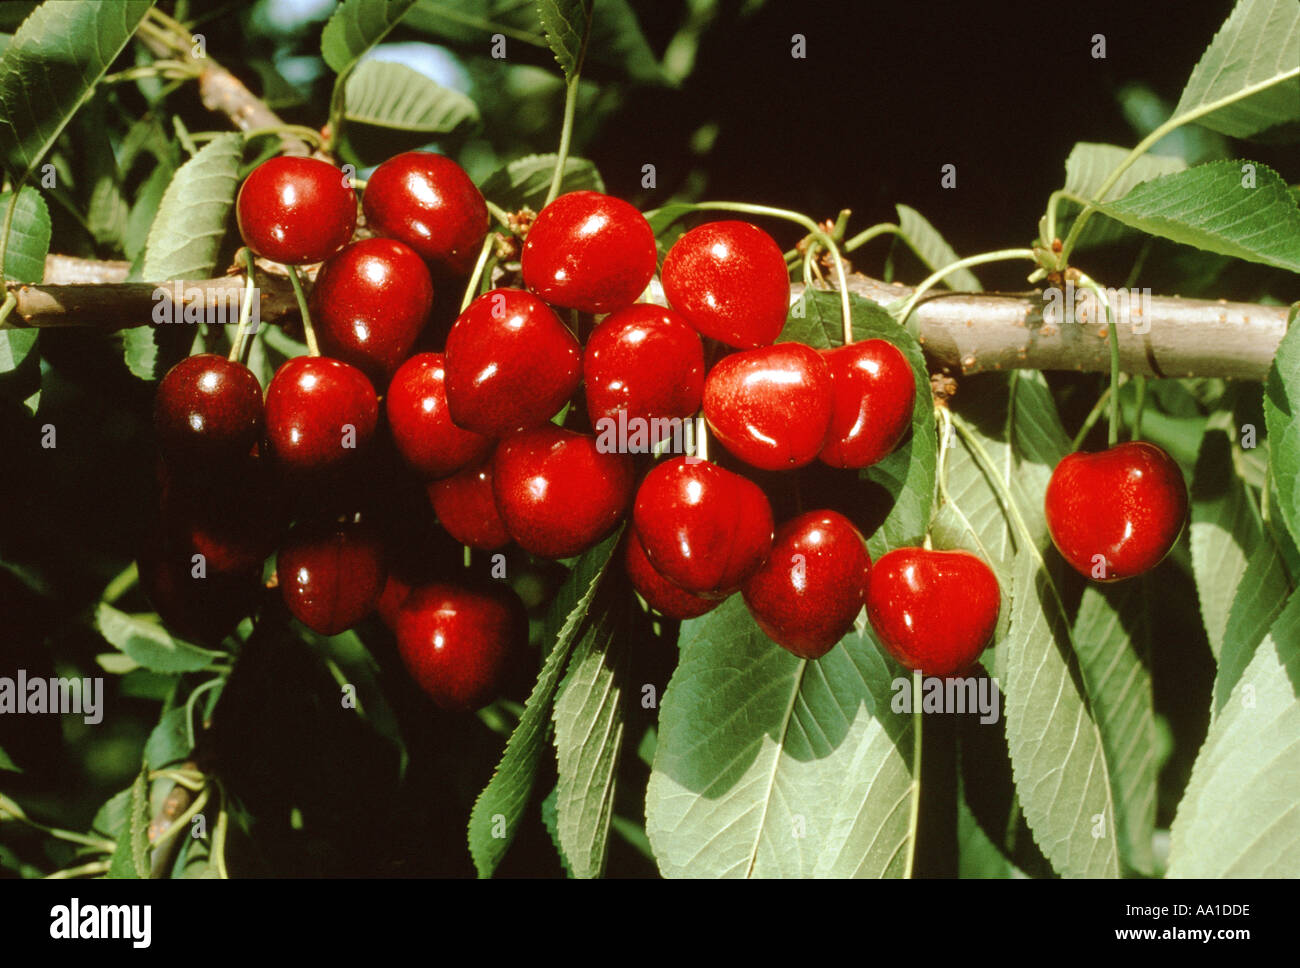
<point x="475" y="424"/>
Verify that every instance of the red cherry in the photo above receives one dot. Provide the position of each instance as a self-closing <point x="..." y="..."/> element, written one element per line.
<point x="771" y="407"/>
<point x="199" y="517"/>
<point x="647" y="362"/>
<point x="511" y="363"/>
<point x="420" y="423"/>
<point x="661" y="594"/>
<point x="427" y="201"/>
<point x="392" y="598"/>
<point x="319" y="414"/>
<point x="703" y="528"/>
<point x="557" y="492"/>
<point x="807" y="595"/>
<point x="197" y="604"/>
<point x="331" y="575"/>
<point x="466" y="506"/>
<point x="459" y="643"/>
<point x="370" y="303"/>
<point x="933" y="610"/>
<point x="872" y="394"/>
<point x="296" y="211"/>
<point x="590" y="252"/>
<point x="208" y="411"/>
<point x="1116" y="514"/>
<point x="730" y="281"/>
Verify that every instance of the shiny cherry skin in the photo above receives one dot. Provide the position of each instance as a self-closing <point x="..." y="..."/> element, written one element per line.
<point x="809" y="592"/>
<point x="730" y="281"/>
<point x="933" y="610"/>
<point x="466" y="506"/>
<point x="428" y="202"/>
<point x="331" y="574"/>
<point x="702" y="527"/>
<point x="420" y="423"/>
<point x="873" y="391"/>
<point x="557" y="492"/>
<point x="320" y="413"/>
<point x="1117" y="513"/>
<point x="510" y="362"/>
<point x="208" y="411"/>
<point x="661" y="594"/>
<point x="296" y="211"/>
<point x="459" y="643"/>
<point x="771" y="407"/>
<point x="369" y="305"/>
<point x="590" y="252"/>
<point x="647" y="362"/>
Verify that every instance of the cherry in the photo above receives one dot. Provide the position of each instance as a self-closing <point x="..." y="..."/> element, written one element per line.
<point x="771" y="407"/>
<point x="459" y="643"/>
<point x="427" y="201"/>
<point x="208" y="411"/>
<point x="557" y="492"/>
<point x="661" y="594"/>
<point x="331" y="574"/>
<point x="730" y="281"/>
<point x="510" y="363"/>
<point x="1116" y="514"/>
<point x="195" y="603"/>
<point x="933" y="610"/>
<point x="872" y="394"/>
<point x="808" y="594"/>
<point x="703" y="528"/>
<point x="647" y="362"/>
<point x="466" y="506"/>
<point x="319" y="414"/>
<point x="392" y="598"/>
<point x="369" y="304"/>
<point x="420" y="424"/>
<point x="590" y="252"/>
<point x="296" y="211"/>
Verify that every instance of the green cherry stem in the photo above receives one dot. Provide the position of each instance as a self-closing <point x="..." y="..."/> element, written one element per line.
<point x="914" y="817"/>
<point x="498" y="213"/>
<point x="1090" y="421"/>
<point x="1140" y="383"/>
<point x="471" y="287"/>
<point x="244" y="255"/>
<point x="866" y="235"/>
<point x="312" y="348"/>
<point x="1112" y="334"/>
<point x="219" y="837"/>
<point x="566" y="135"/>
<point x="1001" y="255"/>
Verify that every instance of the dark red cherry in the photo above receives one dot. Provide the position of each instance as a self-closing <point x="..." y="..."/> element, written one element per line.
<point x="370" y="303"/>
<point x="771" y="407"/>
<point x="296" y="211"/>
<point x="703" y="528"/>
<point x="557" y="492"/>
<point x="590" y="252"/>
<point x="510" y="363"/>
<point x="808" y="594"/>
<point x="933" y="610"/>
<point x="320" y="413"/>
<point x="730" y="281"/>
<point x="208" y="411"/>
<point x="392" y="598"/>
<point x="466" y="506"/>
<point x="661" y="594"/>
<point x="420" y="423"/>
<point x="1116" y="514"/>
<point x="199" y="516"/>
<point x="195" y="603"/>
<point x="331" y="574"/>
<point x="872" y="394"/>
<point x="459" y="643"/>
<point x="427" y="201"/>
<point x="646" y="362"/>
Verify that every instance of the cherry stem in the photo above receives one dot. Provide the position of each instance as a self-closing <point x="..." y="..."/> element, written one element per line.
<point x="1090" y="421"/>
<point x="312" y="348"/>
<point x="914" y="818"/>
<point x="1139" y="405"/>
<point x="943" y="417"/>
<point x="498" y="213"/>
<point x="866" y="235"/>
<point x="245" y="255"/>
<point x="938" y="275"/>
<point x="468" y="556"/>
<point x="471" y="287"/>
<point x="219" y="837"/>
<point x="1112" y="334"/>
<point x="566" y="135"/>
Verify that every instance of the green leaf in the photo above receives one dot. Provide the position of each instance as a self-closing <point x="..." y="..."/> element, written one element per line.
<point x="932" y="249"/>
<point x="145" y="209"/>
<point x="1263" y="590"/>
<point x="113" y="815"/>
<point x="565" y="24"/>
<point x="16" y="346"/>
<point x="150" y="644"/>
<point x="1086" y="170"/>
<point x="589" y="724"/>
<point x="51" y="66"/>
<point x="551" y="821"/>
<point x="358" y="668"/>
<point x="29" y="235"/>
<point x="169" y="741"/>
<point x="1208" y="207"/>
<point x="395" y="96"/>
<point x="193" y="215"/>
<point x="1238" y="816"/>
<point x="356" y="26"/>
<point x="7" y="763"/>
<point x="131" y="858"/>
<point x="1281" y="413"/>
<point x="525" y="181"/>
<point x="1248" y="79"/>
<point x="772" y="766"/>
<point x="1112" y="634"/>
<point x="499" y="809"/>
